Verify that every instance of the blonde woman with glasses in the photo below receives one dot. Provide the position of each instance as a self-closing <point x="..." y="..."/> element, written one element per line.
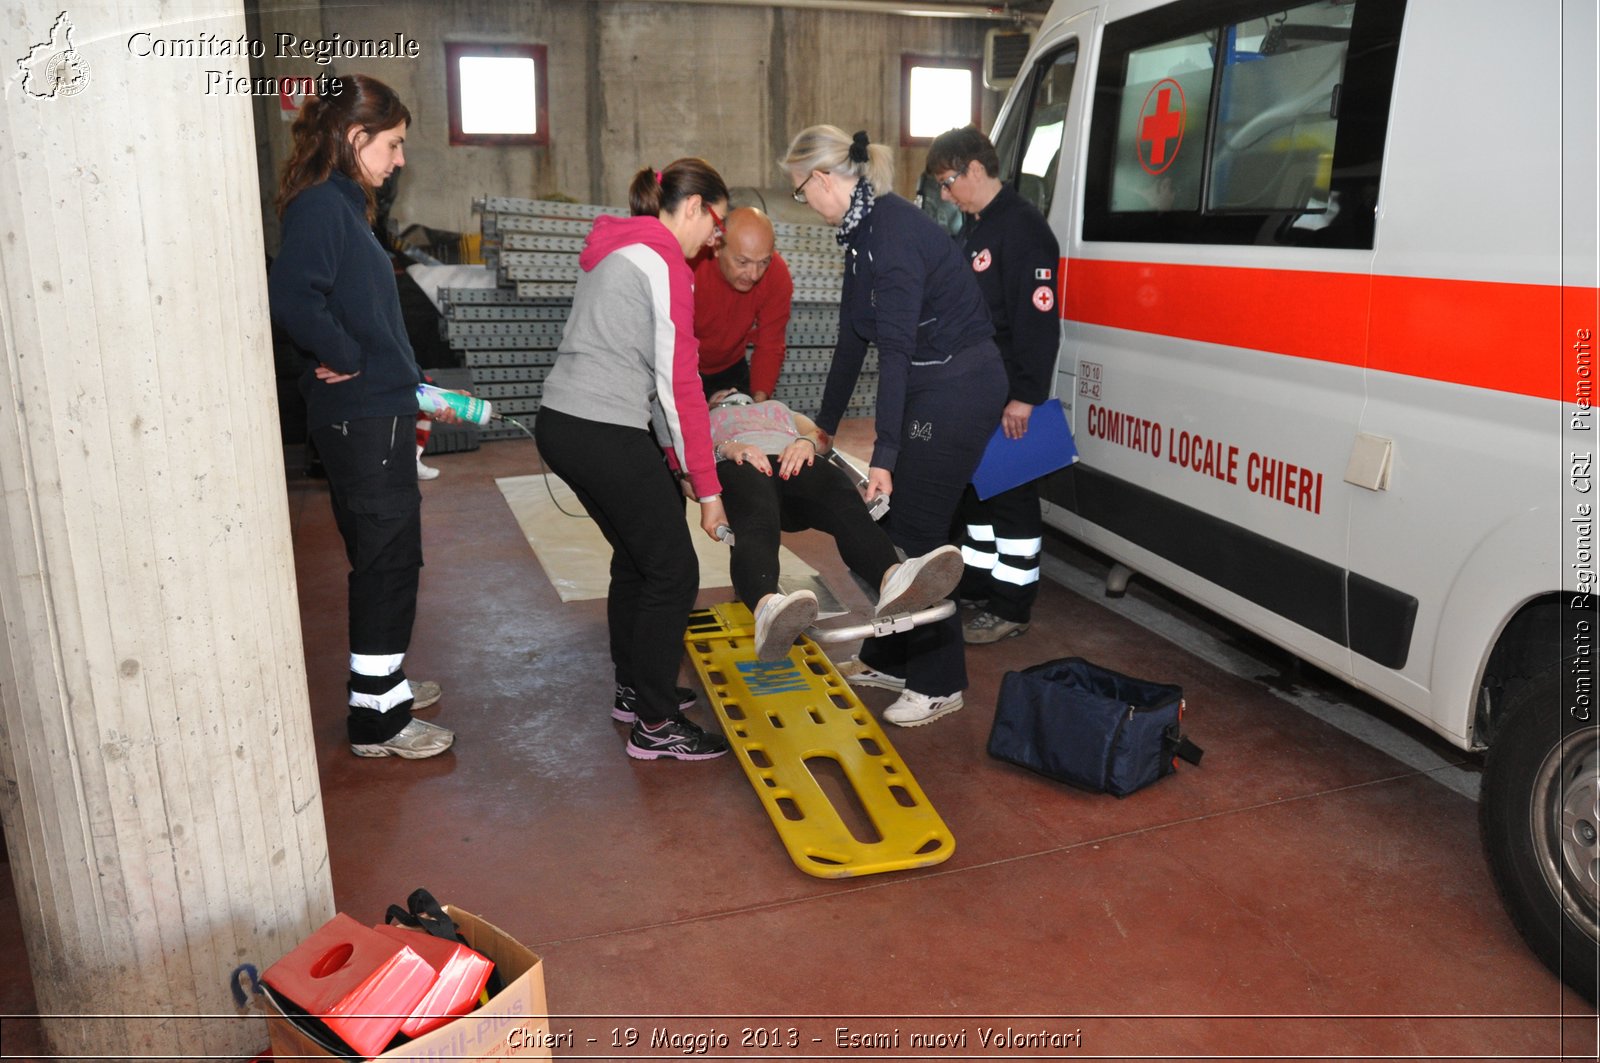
<point x="941" y="385"/>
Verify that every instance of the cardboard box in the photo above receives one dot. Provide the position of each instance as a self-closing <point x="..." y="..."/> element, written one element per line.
<point x="513" y="1025"/>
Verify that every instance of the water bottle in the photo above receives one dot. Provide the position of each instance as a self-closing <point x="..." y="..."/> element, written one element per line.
<point x="431" y="400"/>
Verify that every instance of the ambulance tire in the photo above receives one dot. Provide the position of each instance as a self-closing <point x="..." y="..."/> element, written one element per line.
<point x="1537" y="817"/>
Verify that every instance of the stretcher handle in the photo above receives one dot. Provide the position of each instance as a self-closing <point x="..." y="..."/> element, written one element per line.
<point x="881" y="625"/>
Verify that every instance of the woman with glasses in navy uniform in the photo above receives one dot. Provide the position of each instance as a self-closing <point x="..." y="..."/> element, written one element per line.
<point x="941" y="385"/>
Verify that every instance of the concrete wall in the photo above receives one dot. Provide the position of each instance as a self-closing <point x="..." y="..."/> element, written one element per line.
<point x="630" y="85"/>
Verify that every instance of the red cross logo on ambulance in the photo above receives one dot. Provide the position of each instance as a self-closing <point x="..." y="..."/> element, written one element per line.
<point x="981" y="261"/>
<point x="1161" y="122"/>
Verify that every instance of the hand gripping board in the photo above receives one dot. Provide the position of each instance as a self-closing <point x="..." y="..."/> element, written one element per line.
<point x="782" y="716"/>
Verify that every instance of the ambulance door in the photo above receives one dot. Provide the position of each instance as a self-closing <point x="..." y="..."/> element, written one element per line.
<point x="1037" y="139"/>
<point x="1217" y="300"/>
<point x="1456" y="495"/>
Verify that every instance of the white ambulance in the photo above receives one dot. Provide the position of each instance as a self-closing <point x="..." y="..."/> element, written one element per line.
<point x="1329" y="305"/>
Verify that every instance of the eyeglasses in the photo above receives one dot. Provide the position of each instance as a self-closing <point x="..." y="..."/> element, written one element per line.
<point x="946" y="182"/>
<point x="800" y="193"/>
<point x="716" y="219"/>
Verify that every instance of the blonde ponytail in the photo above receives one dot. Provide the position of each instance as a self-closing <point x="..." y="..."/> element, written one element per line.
<point x="831" y="149"/>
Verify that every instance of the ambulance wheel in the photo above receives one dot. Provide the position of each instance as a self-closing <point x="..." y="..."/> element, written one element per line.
<point x="1539" y="815"/>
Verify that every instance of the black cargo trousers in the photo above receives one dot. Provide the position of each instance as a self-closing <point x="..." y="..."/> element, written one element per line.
<point x="372" y="482"/>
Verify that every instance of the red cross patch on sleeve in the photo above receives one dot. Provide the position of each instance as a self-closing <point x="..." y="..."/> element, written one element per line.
<point x="1044" y="297"/>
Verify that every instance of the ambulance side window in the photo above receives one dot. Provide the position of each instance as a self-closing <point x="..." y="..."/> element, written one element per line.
<point x="1030" y="144"/>
<point x="1278" y="111"/>
<point x="1244" y="123"/>
<point x="1166" y="96"/>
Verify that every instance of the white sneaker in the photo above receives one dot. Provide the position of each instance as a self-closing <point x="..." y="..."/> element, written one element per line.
<point x="857" y="674"/>
<point x="417" y="740"/>
<point x="920" y="582"/>
<point x="913" y="710"/>
<point x="426" y="472"/>
<point x="780" y="619"/>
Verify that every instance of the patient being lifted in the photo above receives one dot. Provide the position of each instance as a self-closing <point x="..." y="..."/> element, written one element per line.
<point x="772" y="482"/>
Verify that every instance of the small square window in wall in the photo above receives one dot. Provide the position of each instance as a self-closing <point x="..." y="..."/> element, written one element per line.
<point x="497" y="93"/>
<point x="937" y="94"/>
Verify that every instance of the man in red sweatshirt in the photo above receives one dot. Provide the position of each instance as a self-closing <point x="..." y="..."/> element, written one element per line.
<point x="742" y="295"/>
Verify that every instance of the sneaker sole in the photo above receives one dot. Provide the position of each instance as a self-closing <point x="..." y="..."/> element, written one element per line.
<point x="947" y="710"/>
<point x="932" y="584"/>
<point x="375" y="752"/>
<point x="791" y="622"/>
<point x="661" y="754"/>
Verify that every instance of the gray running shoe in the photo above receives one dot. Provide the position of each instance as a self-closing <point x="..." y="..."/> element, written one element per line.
<point x="985" y="627"/>
<point x="425" y="694"/>
<point x="417" y="740"/>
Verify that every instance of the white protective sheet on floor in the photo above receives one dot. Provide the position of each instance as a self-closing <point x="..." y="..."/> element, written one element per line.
<point x="577" y="558"/>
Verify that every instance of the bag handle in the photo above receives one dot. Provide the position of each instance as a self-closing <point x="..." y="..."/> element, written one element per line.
<point x="1180" y="746"/>
<point x="422" y="912"/>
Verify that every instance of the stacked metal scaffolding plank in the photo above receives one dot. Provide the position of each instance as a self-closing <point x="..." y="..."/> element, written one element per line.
<point x="508" y="335"/>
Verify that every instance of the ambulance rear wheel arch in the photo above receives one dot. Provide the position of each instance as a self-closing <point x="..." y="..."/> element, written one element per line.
<point x="1491" y="608"/>
<point x="1526" y="648"/>
<point x="1539" y="816"/>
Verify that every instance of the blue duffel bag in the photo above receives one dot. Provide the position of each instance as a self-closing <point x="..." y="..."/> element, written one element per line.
<point x="1089" y="726"/>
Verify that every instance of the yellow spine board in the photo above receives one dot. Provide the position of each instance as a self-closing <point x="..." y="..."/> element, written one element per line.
<point x="780" y="715"/>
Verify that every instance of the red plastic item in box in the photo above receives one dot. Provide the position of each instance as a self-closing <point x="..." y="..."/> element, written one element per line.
<point x="362" y="984"/>
<point x="462" y="974"/>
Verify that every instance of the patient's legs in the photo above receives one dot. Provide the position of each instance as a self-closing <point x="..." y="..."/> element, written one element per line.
<point x="822" y="497"/>
<point x="751" y="499"/>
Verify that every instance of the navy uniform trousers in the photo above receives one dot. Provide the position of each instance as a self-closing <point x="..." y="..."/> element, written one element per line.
<point x="951" y="411"/>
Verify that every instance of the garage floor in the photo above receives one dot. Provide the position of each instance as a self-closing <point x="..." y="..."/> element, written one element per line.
<point x="1301" y="894"/>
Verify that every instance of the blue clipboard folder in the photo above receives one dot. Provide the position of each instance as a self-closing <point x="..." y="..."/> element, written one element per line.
<point x="1046" y="447"/>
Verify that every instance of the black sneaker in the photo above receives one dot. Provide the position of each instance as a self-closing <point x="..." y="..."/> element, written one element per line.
<point x="678" y="738"/>
<point x="625" y="706"/>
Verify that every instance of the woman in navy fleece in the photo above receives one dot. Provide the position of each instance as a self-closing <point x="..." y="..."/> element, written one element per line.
<point x="941" y="385"/>
<point x="332" y="289"/>
<point x="630" y="340"/>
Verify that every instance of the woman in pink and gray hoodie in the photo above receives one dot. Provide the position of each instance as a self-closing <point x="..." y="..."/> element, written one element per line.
<point x="628" y="342"/>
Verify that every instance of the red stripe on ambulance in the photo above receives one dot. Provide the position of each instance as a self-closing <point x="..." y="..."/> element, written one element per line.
<point x="1478" y="333"/>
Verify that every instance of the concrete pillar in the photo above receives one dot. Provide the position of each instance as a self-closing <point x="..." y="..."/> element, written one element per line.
<point x="158" y="783"/>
